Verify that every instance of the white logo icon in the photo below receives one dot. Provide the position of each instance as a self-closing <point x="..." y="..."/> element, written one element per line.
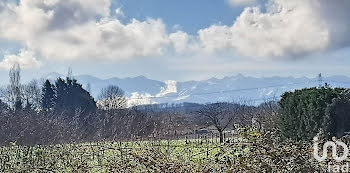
<point x="333" y="145"/>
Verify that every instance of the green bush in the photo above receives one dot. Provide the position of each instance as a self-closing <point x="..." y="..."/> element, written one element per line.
<point x="304" y="112"/>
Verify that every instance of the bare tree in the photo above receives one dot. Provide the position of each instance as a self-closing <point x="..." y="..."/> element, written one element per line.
<point x="31" y="94"/>
<point x="14" y="89"/>
<point x="245" y="114"/>
<point x="221" y="115"/>
<point x="266" y="114"/>
<point x="111" y="98"/>
<point x="17" y="95"/>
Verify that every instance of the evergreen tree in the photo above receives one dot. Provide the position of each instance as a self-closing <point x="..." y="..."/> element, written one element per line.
<point x="48" y="96"/>
<point x="70" y="96"/>
<point x="337" y="120"/>
<point x="304" y="112"/>
<point x="61" y="92"/>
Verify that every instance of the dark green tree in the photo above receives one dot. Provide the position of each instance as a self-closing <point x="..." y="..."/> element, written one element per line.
<point x="48" y="96"/>
<point x="337" y="120"/>
<point x="60" y="90"/>
<point x="304" y="111"/>
<point x="71" y="96"/>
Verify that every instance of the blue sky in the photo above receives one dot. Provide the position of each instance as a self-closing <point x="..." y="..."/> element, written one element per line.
<point x="177" y="40"/>
<point x="191" y="15"/>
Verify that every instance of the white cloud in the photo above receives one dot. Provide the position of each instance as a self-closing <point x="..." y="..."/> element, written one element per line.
<point x="26" y="59"/>
<point x="119" y="12"/>
<point x="171" y="87"/>
<point x="108" y="39"/>
<point x="140" y="99"/>
<point x="287" y="28"/>
<point x="180" y="41"/>
<point x="184" y="44"/>
<point x="77" y="29"/>
<point x="84" y="29"/>
<point x="241" y="2"/>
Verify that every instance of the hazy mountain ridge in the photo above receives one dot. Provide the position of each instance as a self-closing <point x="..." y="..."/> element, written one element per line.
<point x="232" y="88"/>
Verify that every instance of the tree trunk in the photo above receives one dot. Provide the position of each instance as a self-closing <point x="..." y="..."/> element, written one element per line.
<point x="221" y="136"/>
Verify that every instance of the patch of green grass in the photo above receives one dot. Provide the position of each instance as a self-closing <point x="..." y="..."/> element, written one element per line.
<point x="106" y="156"/>
<point x="250" y="152"/>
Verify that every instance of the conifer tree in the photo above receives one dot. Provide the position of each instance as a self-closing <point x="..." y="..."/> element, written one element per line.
<point x="337" y="120"/>
<point x="48" y="96"/>
<point x="304" y="112"/>
<point x="70" y="96"/>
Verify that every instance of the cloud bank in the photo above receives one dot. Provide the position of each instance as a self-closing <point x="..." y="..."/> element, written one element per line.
<point x="75" y="29"/>
<point x="26" y="59"/>
<point x="85" y="29"/>
<point x="287" y="28"/>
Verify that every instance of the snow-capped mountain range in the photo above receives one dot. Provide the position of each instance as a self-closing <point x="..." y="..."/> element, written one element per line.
<point x="141" y="90"/>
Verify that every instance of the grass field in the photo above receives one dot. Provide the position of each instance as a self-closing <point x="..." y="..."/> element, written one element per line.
<point x="139" y="156"/>
<point x="250" y="153"/>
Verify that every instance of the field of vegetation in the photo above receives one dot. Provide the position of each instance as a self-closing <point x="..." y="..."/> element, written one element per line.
<point x="59" y="127"/>
<point x="248" y="152"/>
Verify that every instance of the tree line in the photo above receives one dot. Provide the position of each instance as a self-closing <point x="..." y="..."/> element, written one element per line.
<point x="60" y="95"/>
<point x="63" y="111"/>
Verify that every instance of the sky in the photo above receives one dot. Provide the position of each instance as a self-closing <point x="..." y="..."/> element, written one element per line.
<point x="175" y="40"/>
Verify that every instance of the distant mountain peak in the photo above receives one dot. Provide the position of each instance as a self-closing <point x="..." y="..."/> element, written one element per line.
<point x="140" y="77"/>
<point x="237" y="77"/>
<point x="53" y="76"/>
<point x="205" y="91"/>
